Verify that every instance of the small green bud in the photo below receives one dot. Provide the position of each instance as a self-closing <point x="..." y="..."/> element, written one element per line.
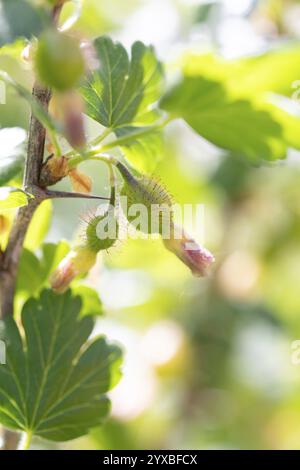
<point x="102" y="230"/>
<point x="77" y="262"/>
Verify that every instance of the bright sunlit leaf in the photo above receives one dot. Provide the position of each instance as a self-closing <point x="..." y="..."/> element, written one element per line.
<point x="10" y="197"/>
<point x="232" y="124"/>
<point x="249" y="76"/>
<point x="121" y="91"/>
<point x="34" y="271"/>
<point x="121" y="94"/>
<point x="142" y="151"/>
<point x="91" y="303"/>
<point x="39" y="226"/>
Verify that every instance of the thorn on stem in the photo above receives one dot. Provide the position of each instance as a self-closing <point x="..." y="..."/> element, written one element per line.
<point x="70" y="195"/>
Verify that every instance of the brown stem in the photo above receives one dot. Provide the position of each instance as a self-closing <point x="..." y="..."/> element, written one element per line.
<point x="9" y="260"/>
<point x="11" y="256"/>
<point x="35" y="154"/>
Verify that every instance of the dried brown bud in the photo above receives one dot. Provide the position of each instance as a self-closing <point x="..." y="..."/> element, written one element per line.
<point x="53" y="170"/>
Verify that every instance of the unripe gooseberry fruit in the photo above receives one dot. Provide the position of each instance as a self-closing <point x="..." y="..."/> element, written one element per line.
<point x="102" y="232"/>
<point x="150" y="194"/>
<point x="58" y="60"/>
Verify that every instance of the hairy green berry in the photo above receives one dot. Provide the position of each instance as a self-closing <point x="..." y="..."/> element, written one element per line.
<point x="151" y="198"/>
<point x="102" y="231"/>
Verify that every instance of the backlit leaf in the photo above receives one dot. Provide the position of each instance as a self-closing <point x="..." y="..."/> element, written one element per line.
<point x="10" y="197"/>
<point x="54" y="381"/>
<point x="122" y="91"/>
<point x="143" y="151"/>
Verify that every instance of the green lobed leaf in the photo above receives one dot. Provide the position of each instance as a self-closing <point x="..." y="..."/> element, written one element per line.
<point x="235" y="124"/>
<point x="19" y="18"/>
<point x="11" y="198"/>
<point x="91" y="303"/>
<point x="29" y="277"/>
<point x="52" y="254"/>
<point x="224" y="87"/>
<point x="251" y="75"/>
<point x="34" y="272"/>
<point x="122" y="91"/>
<point x="143" y="151"/>
<point x="255" y="77"/>
<point x="121" y="94"/>
<point x="54" y="381"/>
